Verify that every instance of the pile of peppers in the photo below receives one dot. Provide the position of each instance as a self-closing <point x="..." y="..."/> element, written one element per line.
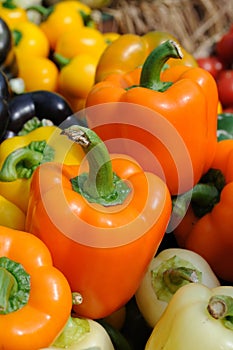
<point x="80" y="224"/>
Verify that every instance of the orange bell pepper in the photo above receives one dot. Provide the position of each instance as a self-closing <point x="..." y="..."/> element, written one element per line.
<point x="130" y="51"/>
<point x="207" y="226"/>
<point x="99" y="222"/>
<point x="186" y="104"/>
<point x="35" y="297"/>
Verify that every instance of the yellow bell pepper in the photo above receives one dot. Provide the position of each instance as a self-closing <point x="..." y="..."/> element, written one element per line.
<point x="30" y="39"/>
<point x="82" y="333"/>
<point x="168" y="271"/>
<point x="86" y="40"/>
<point x="10" y="215"/>
<point x="197" y="317"/>
<point x="11" y="13"/>
<point x="20" y="155"/>
<point x="38" y="73"/>
<point x="76" y="79"/>
<point x="59" y="18"/>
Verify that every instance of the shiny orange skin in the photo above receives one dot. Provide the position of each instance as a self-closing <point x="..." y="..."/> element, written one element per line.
<point x="37" y="323"/>
<point x="190" y="105"/>
<point x="107" y="276"/>
<point x="211" y="235"/>
<point x="129" y="51"/>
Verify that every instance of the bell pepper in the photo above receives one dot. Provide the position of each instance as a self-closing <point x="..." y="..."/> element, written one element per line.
<point x="130" y="51"/>
<point x="30" y="40"/>
<point x="100" y="220"/>
<point x="8" y="62"/>
<point x="87" y="40"/>
<point x="197" y="317"/>
<point x="76" y="78"/>
<point x="38" y="73"/>
<point x="168" y="271"/>
<point x="12" y="13"/>
<point x="173" y="98"/>
<point x="5" y="95"/>
<point x="20" y="155"/>
<point x="206" y="227"/>
<point x="35" y="297"/>
<point x="58" y="18"/>
<point x="80" y="334"/>
<point x="10" y="215"/>
<point x="41" y="104"/>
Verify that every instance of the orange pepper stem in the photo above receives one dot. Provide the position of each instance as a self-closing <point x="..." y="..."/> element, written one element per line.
<point x="100" y="184"/>
<point x="22" y="162"/>
<point x="14" y="286"/>
<point x="174" y="277"/>
<point x="221" y="307"/>
<point x="153" y="65"/>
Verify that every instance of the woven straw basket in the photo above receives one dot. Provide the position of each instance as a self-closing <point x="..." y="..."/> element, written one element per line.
<point x="197" y="24"/>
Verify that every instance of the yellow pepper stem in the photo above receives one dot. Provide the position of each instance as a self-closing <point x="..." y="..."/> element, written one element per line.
<point x="221" y="307"/>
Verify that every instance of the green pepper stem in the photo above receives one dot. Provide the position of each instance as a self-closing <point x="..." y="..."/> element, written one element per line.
<point x="221" y="307"/>
<point x="204" y="196"/>
<point x="22" y="162"/>
<point x="153" y="65"/>
<point x="9" y="4"/>
<point x="61" y="60"/>
<point x="8" y="286"/>
<point x="99" y="184"/>
<point x="42" y="10"/>
<point x="14" y="286"/>
<point x="174" y="277"/>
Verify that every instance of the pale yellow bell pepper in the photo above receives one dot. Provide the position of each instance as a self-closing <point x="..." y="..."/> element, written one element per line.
<point x="168" y="271"/>
<point x="196" y="318"/>
<point x="81" y="334"/>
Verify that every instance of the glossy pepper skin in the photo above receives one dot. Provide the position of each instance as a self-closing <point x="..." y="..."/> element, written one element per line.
<point x="36" y="301"/>
<point x="5" y="95"/>
<point x="58" y="18"/>
<point x="20" y="155"/>
<point x="11" y="13"/>
<point x="76" y="79"/>
<point x="40" y="103"/>
<point x="175" y="94"/>
<point x="11" y="215"/>
<point x="130" y="51"/>
<point x="119" y="209"/>
<point x="30" y="40"/>
<point x="197" y="317"/>
<point x="8" y="63"/>
<point x="209" y="232"/>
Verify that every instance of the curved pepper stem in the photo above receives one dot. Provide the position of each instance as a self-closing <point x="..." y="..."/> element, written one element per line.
<point x="42" y="10"/>
<point x="174" y="278"/>
<point x="221" y="307"/>
<point x="203" y="196"/>
<point x="22" y="162"/>
<point x="152" y="67"/>
<point x="172" y="274"/>
<point x="100" y="185"/>
<point x="14" y="286"/>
